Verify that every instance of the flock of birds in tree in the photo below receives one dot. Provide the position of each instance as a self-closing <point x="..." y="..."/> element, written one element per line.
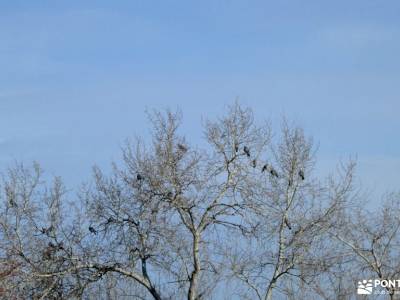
<point x="266" y="167"/>
<point x="139" y="177"/>
<point x="273" y="172"/>
<point x="246" y="151"/>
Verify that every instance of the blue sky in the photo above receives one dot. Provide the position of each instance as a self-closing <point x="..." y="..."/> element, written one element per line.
<point x="77" y="76"/>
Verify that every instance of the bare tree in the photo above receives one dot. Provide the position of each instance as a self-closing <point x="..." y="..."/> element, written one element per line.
<point x="33" y="245"/>
<point x="160" y="213"/>
<point x="294" y="210"/>
<point x="245" y="214"/>
<point x="373" y="239"/>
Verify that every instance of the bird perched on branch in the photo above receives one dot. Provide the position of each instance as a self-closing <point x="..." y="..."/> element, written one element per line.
<point x="49" y="252"/>
<point x="139" y="177"/>
<point x="287" y="223"/>
<point x="236" y="147"/>
<point x="110" y="220"/>
<point x="254" y="163"/>
<point x="301" y="174"/>
<point x="246" y="150"/>
<point x="60" y="246"/>
<point x="12" y="203"/>
<point x="264" y="168"/>
<point x="11" y="197"/>
<point x="47" y="231"/>
<point x="182" y="148"/>
<point x="273" y="172"/>
<point x="92" y="230"/>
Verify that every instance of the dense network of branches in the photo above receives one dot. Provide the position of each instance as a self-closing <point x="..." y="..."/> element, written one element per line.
<point x="245" y="217"/>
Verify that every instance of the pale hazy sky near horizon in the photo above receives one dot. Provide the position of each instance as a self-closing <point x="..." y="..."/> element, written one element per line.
<point x="77" y="76"/>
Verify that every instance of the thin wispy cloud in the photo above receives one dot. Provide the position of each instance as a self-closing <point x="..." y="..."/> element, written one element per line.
<point x="84" y="74"/>
<point x="359" y="35"/>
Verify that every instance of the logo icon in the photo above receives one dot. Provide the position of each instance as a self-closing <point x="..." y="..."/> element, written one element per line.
<point x="364" y="287"/>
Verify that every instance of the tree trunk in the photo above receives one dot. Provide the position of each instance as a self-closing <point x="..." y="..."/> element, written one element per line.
<point x="194" y="278"/>
<point x="271" y="286"/>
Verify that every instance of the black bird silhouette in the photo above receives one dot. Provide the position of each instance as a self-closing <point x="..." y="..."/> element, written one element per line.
<point x="273" y="172"/>
<point x="236" y="147"/>
<point x="246" y="150"/>
<point x="60" y="246"/>
<point x="254" y="163"/>
<point x="182" y="148"/>
<point x="139" y="177"/>
<point x="12" y="203"/>
<point x="264" y="168"/>
<point x="92" y="230"/>
<point x="301" y="174"/>
<point x="47" y="231"/>
<point x="287" y="223"/>
<point x="48" y="251"/>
